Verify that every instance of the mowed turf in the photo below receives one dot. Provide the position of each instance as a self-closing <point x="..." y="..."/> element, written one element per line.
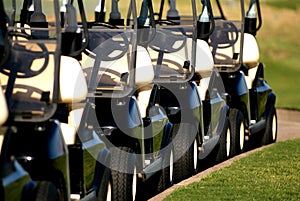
<point x="269" y="174"/>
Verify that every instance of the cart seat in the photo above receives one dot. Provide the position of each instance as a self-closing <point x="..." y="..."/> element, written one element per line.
<point x="143" y="100"/>
<point x="73" y="87"/>
<point x="250" y="51"/>
<point x="174" y="60"/>
<point x="110" y="71"/>
<point x="144" y="68"/>
<point x="251" y="76"/>
<point x="69" y="133"/>
<point x="145" y="72"/>
<point x="70" y="129"/>
<point x="250" y="58"/>
<point x="204" y="59"/>
<point x="144" y="77"/>
<point x="203" y="88"/>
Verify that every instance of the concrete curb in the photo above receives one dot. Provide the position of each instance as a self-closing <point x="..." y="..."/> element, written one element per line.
<point x="288" y="128"/>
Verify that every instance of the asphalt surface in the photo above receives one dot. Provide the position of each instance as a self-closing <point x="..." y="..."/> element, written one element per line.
<point x="288" y="128"/>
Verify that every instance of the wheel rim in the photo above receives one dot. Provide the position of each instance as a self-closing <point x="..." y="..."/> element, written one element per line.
<point x="171" y="167"/>
<point x="195" y="155"/>
<point x="242" y="135"/>
<point x="227" y="142"/>
<point x="274" y="128"/>
<point x="134" y="183"/>
<point x="108" y="195"/>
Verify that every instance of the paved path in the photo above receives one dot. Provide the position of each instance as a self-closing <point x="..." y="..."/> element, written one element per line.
<point x="288" y="128"/>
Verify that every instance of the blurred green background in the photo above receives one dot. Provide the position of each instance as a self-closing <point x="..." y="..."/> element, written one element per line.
<point x="280" y="49"/>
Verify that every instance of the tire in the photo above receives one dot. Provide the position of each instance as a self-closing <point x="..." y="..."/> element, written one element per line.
<point x="237" y="129"/>
<point x="270" y="134"/>
<point x="223" y="150"/>
<point x="123" y="174"/>
<point x="166" y="178"/>
<point x="46" y="191"/>
<point x="186" y="150"/>
<point x="105" y="189"/>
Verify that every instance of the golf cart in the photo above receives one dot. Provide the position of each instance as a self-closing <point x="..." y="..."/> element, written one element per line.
<point x="53" y="136"/>
<point x="120" y="81"/>
<point x="15" y="182"/>
<point x="191" y="90"/>
<point x="236" y="56"/>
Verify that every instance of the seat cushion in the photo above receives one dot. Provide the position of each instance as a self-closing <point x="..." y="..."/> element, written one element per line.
<point x="73" y="87"/>
<point x="250" y="51"/>
<point x="204" y="59"/>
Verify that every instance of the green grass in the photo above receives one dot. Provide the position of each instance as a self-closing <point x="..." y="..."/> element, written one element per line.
<point x="269" y="174"/>
<point x="290" y="4"/>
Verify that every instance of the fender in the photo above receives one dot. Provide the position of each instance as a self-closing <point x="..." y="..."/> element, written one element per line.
<point x="44" y="142"/>
<point x="18" y="181"/>
<point x="196" y="106"/>
<point x="214" y="141"/>
<point x="223" y="116"/>
<point x="270" y="103"/>
<point x="45" y="146"/>
<point x="167" y="136"/>
<point x="194" y="97"/>
<point x="241" y="84"/>
<point x="56" y="146"/>
<point x="243" y="96"/>
<point x="102" y="159"/>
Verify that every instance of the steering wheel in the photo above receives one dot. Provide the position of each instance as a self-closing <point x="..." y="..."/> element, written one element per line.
<point x="25" y="92"/>
<point x="108" y="47"/>
<point x="103" y="24"/>
<point x="167" y="22"/>
<point x="166" y="41"/>
<point x="224" y="36"/>
<point x="21" y="59"/>
<point x="104" y="78"/>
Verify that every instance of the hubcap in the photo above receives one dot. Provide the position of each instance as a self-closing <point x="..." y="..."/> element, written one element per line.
<point x="274" y="128"/>
<point x="108" y="195"/>
<point x="227" y="142"/>
<point x="242" y="136"/>
<point x="195" y="155"/>
<point x="171" y="167"/>
<point x="134" y="183"/>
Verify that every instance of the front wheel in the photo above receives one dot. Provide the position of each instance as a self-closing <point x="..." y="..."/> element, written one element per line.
<point x="186" y="150"/>
<point x="237" y="129"/>
<point x="105" y="188"/>
<point x="123" y="174"/>
<point x="166" y="178"/>
<point x="224" y="147"/>
<point x="270" y="134"/>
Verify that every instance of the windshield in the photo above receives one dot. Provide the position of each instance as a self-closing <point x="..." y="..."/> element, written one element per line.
<point x="173" y="48"/>
<point x="29" y="75"/>
<point x="226" y="41"/>
<point x="109" y="58"/>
